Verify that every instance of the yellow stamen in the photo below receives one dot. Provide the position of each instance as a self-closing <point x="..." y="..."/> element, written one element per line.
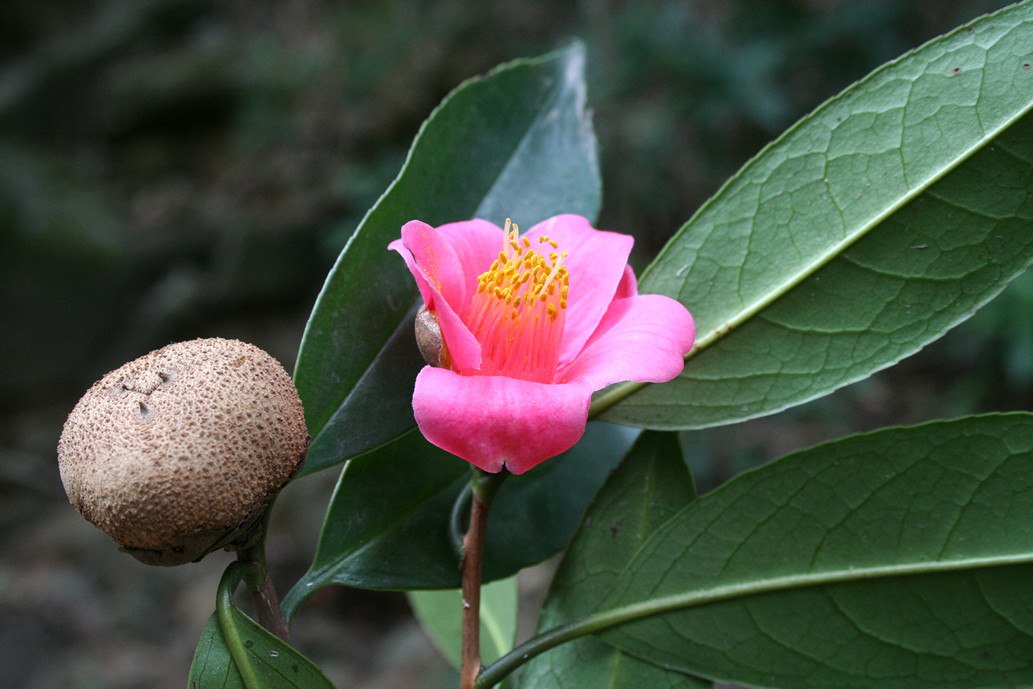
<point x="517" y="314"/>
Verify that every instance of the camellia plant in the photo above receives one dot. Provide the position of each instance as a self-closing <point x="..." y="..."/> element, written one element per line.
<point x="476" y="446"/>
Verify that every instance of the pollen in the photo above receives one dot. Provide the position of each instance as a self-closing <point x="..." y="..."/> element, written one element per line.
<point x="517" y="314"/>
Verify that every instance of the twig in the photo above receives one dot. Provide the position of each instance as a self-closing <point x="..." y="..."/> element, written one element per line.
<point x="484" y="488"/>
<point x="264" y="598"/>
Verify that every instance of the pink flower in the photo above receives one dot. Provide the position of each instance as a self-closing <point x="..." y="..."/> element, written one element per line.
<point x="532" y="325"/>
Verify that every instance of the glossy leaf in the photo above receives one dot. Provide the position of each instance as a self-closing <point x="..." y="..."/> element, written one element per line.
<point x="900" y="558"/>
<point x="517" y="143"/>
<point x="651" y="485"/>
<point x="277" y="665"/>
<point x="441" y="615"/>
<point x="870" y="228"/>
<point x="400" y="540"/>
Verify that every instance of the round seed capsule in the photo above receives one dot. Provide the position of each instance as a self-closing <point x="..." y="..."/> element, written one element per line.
<point x="177" y="453"/>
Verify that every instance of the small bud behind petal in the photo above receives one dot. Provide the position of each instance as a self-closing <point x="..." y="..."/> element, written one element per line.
<point x="429" y="340"/>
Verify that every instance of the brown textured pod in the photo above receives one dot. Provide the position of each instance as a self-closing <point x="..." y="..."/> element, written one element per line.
<point x="177" y="453"/>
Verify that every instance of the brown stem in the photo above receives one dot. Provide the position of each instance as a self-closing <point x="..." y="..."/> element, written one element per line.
<point x="473" y="555"/>
<point x="484" y="487"/>
<point x="263" y="597"/>
<point x="265" y="600"/>
<point x="267" y="605"/>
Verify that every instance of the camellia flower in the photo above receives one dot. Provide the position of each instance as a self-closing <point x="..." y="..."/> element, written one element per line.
<point x="531" y="326"/>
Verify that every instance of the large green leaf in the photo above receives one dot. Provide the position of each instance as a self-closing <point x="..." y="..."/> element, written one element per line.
<point x="651" y="485"/>
<point x="387" y="526"/>
<point x="517" y="143"/>
<point x="870" y="228"/>
<point x="441" y="615"/>
<point x="898" y="559"/>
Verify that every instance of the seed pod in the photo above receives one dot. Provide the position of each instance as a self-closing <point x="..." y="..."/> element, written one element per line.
<point x="177" y="453"/>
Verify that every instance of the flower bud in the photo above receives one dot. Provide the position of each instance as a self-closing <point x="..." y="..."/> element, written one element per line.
<point x="428" y="339"/>
<point x="179" y="452"/>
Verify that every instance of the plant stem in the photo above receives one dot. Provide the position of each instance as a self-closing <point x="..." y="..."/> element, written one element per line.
<point x="484" y="486"/>
<point x="473" y="555"/>
<point x="267" y="605"/>
<point x="263" y="594"/>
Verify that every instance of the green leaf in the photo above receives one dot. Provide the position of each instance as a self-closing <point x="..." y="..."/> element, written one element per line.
<point x="900" y="558"/>
<point x="441" y="615"/>
<point x="275" y="664"/>
<point x="387" y="526"/>
<point x="650" y="486"/>
<point x="870" y="228"/>
<point x="517" y="143"/>
<point x="213" y="665"/>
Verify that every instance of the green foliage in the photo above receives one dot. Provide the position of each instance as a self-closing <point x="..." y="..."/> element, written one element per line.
<point x="517" y="143"/>
<point x="896" y="558"/>
<point x="277" y="665"/>
<point x="236" y="653"/>
<point x="873" y="226"/>
<point x="650" y="486"/>
<point x="388" y="523"/>
<point x="869" y="229"/>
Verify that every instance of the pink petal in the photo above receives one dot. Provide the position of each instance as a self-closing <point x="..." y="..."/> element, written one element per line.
<point x="438" y="265"/>
<point x="494" y="421"/>
<point x="596" y="261"/>
<point x="438" y="272"/>
<point x="477" y="244"/>
<point x="628" y="286"/>
<point x="644" y="339"/>
<point x="410" y="262"/>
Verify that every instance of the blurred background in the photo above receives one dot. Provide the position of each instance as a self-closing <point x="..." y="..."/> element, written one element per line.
<point x="172" y="169"/>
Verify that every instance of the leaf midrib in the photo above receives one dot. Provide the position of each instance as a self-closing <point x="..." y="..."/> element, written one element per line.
<point x="671" y="603"/>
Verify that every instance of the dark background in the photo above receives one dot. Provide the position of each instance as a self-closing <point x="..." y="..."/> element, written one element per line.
<point x="172" y="169"/>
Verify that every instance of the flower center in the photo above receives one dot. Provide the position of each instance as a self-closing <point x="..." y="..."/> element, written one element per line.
<point x="517" y="314"/>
